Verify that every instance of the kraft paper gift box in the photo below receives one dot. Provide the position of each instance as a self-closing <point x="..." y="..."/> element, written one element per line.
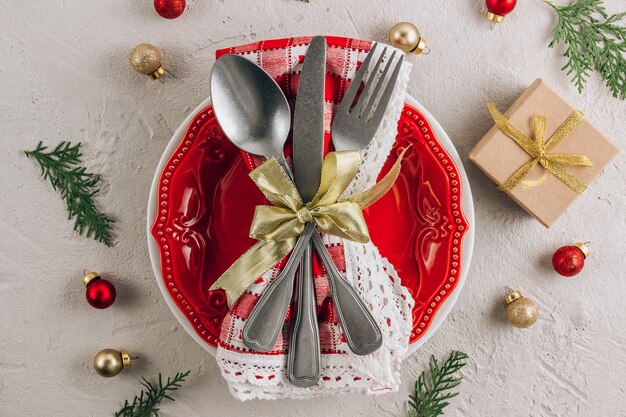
<point x="543" y="179"/>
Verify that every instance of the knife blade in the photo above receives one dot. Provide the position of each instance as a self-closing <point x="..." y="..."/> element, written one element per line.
<point x="303" y="365"/>
<point x="308" y="123"/>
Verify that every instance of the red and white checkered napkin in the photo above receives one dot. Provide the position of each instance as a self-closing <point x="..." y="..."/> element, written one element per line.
<point x="262" y="375"/>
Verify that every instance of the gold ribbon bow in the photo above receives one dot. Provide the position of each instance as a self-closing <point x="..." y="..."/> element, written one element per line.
<point x="276" y="227"/>
<point x="540" y="151"/>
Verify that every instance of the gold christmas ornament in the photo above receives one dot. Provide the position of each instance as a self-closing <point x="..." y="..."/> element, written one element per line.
<point x="406" y="36"/>
<point x="146" y="59"/>
<point x="521" y="312"/>
<point x="110" y="362"/>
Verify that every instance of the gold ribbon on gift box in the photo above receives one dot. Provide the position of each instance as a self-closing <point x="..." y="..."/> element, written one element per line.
<point x="540" y="150"/>
<point x="276" y="227"/>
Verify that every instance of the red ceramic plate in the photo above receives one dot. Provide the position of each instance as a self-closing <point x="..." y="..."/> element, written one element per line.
<point x="202" y="203"/>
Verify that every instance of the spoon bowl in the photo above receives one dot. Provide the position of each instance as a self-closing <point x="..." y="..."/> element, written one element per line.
<point x="250" y="107"/>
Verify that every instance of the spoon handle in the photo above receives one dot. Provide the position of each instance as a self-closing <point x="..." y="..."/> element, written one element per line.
<point x="363" y="335"/>
<point x="266" y="320"/>
<point x="303" y="364"/>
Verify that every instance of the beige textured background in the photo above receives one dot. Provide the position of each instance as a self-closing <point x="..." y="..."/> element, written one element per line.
<point x="64" y="75"/>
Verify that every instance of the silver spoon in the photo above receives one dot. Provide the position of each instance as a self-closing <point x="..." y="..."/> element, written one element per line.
<point x="250" y="107"/>
<point x="254" y="114"/>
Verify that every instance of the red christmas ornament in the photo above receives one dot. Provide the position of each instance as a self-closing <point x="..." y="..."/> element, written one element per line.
<point x="497" y="9"/>
<point x="169" y="9"/>
<point x="570" y="260"/>
<point x="100" y="292"/>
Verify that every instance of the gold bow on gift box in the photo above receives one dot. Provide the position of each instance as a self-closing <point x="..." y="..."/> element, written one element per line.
<point x="540" y="151"/>
<point x="276" y="227"/>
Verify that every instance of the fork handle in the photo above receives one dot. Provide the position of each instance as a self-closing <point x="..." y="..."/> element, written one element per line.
<point x="267" y="318"/>
<point x="363" y="335"/>
<point x="304" y="359"/>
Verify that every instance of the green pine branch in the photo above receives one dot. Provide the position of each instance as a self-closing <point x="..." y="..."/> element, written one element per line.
<point x="146" y="403"/>
<point x="61" y="166"/>
<point x="594" y="41"/>
<point x="431" y="394"/>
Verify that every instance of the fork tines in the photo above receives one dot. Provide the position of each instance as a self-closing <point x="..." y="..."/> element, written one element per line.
<point x="370" y="104"/>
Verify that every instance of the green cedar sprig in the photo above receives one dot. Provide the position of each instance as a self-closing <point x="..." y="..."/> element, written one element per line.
<point x="594" y="41"/>
<point x="77" y="187"/>
<point x="431" y="394"/>
<point x="146" y="403"/>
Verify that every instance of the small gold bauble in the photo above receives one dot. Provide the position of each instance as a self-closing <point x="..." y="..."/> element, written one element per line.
<point x="521" y="312"/>
<point x="146" y="59"/>
<point x="110" y="362"/>
<point x="406" y="37"/>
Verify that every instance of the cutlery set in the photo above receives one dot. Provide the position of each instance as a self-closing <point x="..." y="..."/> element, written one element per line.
<point x="254" y="114"/>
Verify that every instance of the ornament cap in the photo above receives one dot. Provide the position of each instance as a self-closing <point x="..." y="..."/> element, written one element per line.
<point x="584" y="248"/>
<point x="421" y="46"/>
<point x="158" y="73"/>
<point x="495" y="18"/>
<point x="90" y="277"/>
<point x="512" y="296"/>
<point x="125" y="358"/>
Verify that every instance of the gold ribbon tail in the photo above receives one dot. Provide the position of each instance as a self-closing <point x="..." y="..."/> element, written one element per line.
<point x="370" y="196"/>
<point x="250" y="266"/>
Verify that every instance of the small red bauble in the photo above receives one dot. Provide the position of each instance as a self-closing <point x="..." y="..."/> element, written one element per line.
<point x="169" y="9"/>
<point x="497" y="9"/>
<point x="570" y="260"/>
<point x="100" y="292"/>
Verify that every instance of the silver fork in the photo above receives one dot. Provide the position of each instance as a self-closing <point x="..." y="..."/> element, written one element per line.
<point x="354" y="127"/>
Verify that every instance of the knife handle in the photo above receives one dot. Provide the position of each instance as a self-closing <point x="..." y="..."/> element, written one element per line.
<point x="267" y="318"/>
<point x="304" y="359"/>
<point x="361" y="330"/>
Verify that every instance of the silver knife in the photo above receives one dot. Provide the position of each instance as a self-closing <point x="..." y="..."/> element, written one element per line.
<point x="304" y="359"/>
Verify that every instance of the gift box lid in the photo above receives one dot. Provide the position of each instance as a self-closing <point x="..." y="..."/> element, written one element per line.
<point x="499" y="156"/>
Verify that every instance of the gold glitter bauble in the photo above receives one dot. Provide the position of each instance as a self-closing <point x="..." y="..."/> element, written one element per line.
<point x="110" y="362"/>
<point x="520" y="311"/>
<point x="405" y="36"/>
<point x="146" y="59"/>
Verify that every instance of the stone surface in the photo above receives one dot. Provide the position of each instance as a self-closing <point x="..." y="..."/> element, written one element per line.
<point x="64" y="74"/>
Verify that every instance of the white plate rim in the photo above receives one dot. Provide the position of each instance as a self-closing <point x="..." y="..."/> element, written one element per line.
<point x="467" y="245"/>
